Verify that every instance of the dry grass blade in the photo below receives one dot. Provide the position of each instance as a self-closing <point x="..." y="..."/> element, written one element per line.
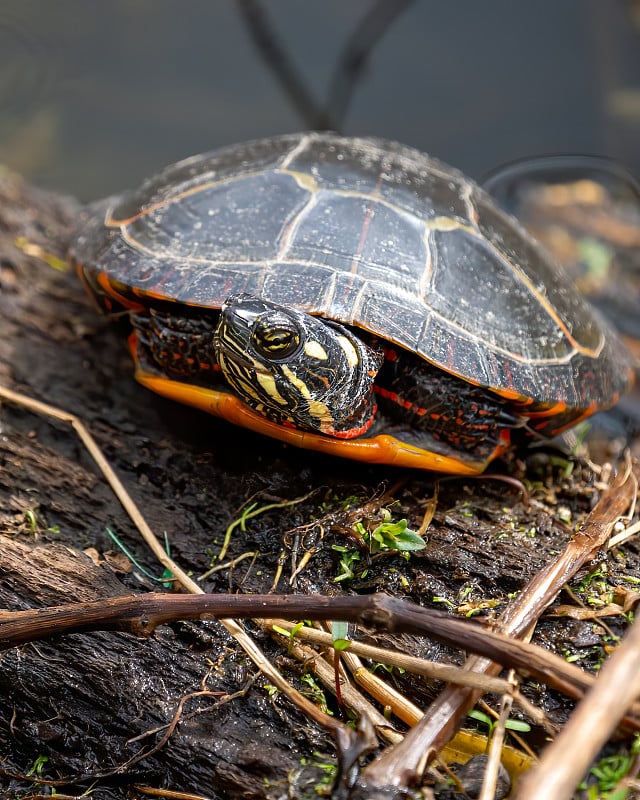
<point x="488" y="790"/>
<point x="234" y="629"/>
<point x="110" y="476"/>
<point x="417" y="666"/>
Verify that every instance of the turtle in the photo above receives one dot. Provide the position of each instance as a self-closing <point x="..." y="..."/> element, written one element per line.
<point x="348" y="295"/>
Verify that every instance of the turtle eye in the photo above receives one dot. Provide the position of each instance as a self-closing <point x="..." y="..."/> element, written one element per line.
<point x="273" y="339"/>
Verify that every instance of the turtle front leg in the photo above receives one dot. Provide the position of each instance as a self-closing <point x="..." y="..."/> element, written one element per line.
<point x="428" y="400"/>
<point x="176" y="344"/>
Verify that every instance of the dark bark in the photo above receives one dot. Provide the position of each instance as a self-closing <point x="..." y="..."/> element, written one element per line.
<point x="78" y="699"/>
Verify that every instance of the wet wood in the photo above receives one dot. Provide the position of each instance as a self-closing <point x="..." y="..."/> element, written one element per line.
<point x="81" y="699"/>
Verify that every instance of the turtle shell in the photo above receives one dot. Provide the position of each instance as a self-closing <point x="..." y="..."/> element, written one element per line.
<point x="372" y="234"/>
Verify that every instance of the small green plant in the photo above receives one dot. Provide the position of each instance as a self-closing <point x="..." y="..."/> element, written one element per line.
<point x="596" y="580"/>
<point x="315" y="693"/>
<point x="609" y="772"/>
<point x="387" y="537"/>
<point x="515" y="725"/>
<point x="340" y="635"/>
<point x="445" y="601"/>
<point x="348" y="560"/>
<point x="34" y="525"/>
<point x="328" y="772"/>
<point x="390" y="535"/>
<point x="37" y="768"/>
<point x="32" y="522"/>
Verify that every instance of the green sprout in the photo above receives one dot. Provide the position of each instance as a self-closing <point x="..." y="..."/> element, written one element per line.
<point x="348" y="559"/>
<point x="316" y="693"/>
<point x="290" y="634"/>
<point x="34" y="525"/>
<point x="390" y="535"/>
<point x="340" y="635"/>
<point x="609" y="772"/>
<point x="37" y="768"/>
<point x="515" y="725"/>
<point x="327" y="769"/>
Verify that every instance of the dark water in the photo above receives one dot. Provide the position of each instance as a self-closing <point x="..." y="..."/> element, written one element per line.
<point x="94" y="95"/>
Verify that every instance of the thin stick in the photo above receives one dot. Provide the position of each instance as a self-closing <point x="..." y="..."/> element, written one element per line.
<point x="403" y="764"/>
<point x="589" y="727"/>
<point x="234" y="629"/>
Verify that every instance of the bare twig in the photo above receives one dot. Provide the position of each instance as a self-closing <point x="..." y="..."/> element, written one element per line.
<point x="141" y="614"/>
<point x="335" y="727"/>
<point x="277" y="59"/>
<point x="589" y="727"/>
<point x="352" y="64"/>
<point x="404" y="764"/>
<point x="355" y="58"/>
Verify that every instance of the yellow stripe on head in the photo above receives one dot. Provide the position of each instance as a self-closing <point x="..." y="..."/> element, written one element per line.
<point x="350" y="351"/>
<point x="268" y="383"/>
<point x="317" y="409"/>
<point x="314" y="349"/>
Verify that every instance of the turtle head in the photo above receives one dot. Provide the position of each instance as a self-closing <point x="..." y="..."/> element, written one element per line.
<point x="296" y="369"/>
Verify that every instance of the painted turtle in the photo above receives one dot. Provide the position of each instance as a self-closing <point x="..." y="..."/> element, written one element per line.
<point x="352" y="296"/>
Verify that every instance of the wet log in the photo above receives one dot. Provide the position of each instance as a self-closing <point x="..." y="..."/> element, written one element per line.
<point x="78" y="701"/>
